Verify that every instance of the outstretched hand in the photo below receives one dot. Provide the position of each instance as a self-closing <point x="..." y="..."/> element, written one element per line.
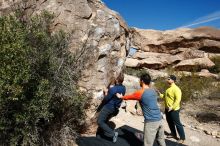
<point x="105" y="91"/>
<point x="119" y="95"/>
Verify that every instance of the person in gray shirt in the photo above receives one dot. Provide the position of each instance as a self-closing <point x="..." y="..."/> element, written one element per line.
<point x="153" y="127"/>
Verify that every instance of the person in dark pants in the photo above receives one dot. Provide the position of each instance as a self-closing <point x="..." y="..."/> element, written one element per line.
<point x="147" y="97"/>
<point x="111" y="108"/>
<point x="172" y="98"/>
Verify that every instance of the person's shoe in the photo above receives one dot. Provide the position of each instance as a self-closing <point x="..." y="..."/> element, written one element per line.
<point x="115" y="137"/>
<point x="172" y="136"/>
<point x="180" y="141"/>
<point x="139" y="136"/>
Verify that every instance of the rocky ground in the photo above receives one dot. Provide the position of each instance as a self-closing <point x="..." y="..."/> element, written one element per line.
<point x="194" y="137"/>
<point x="201" y="122"/>
<point x="203" y="115"/>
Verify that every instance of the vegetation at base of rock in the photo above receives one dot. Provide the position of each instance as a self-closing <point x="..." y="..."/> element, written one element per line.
<point x="134" y="71"/>
<point x="216" y="67"/>
<point x="38" y="78"/>
<point x="193" y="87"/>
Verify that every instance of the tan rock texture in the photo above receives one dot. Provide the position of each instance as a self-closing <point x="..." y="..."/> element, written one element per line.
<point x="183" y="49"/>
<point x="194" y="64"/>
<point x="98" y="36"/>
<point x="99" y="33"/>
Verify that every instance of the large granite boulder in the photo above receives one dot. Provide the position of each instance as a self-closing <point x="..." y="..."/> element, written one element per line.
<point x="194" y="64"/>
<point x="99" y="33"/>
<point x="99" y="37"/>
<point x="181" y="49"/>
<point x="153" y="60"/>
<point x="204" y="38"/>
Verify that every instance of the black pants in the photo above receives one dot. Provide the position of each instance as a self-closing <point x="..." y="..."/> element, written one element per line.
<point x="173" y="120"/>
<point x="104" y="116"/>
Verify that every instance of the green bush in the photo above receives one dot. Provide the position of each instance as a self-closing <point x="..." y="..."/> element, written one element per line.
<point x="192" y="87"/>
<point x="134" y="71"/>
<point x="216" y="67"/>
<point x="37" y="81"/>
<point x="195" y="87"/>
<point x="161" y="84"/>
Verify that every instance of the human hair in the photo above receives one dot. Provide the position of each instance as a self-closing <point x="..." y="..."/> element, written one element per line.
<point x="120" y="78"/>
<point x="145" y="78"/>
<point x="112" y="82"/>
<point x="172" y="77"/>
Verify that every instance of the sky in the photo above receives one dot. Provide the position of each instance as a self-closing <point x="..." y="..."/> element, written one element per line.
<point x="167" y="14"/>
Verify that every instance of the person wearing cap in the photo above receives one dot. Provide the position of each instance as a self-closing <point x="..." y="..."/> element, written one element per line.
<point x="153" y="127"/>
<point x="172" y="98"/>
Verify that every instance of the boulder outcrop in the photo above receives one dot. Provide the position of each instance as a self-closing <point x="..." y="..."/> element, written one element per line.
<point x="99" y="36"/>
<point x="182" y="49"/>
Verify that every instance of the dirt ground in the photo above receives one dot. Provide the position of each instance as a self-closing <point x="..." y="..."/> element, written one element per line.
<point x="194" y="137"/>
<point x="201" y="120"/>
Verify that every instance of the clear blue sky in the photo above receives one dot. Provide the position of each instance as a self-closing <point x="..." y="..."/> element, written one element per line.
<point x="167" y="14"/>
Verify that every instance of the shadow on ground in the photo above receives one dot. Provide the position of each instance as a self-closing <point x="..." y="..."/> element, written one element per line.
<point x="207" y="117"/>
<point x="126" y="138"/>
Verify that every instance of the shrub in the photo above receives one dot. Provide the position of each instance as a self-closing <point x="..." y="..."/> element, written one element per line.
<point x="195" y="87"/>
<point x="192" y="87"/>
<point x="161" y="84"/>
<point x="38" y="79"/>
<point x="216" y="67"/>
<point x="134" y="71"/>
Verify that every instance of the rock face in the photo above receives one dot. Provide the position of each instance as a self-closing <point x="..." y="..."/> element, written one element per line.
<point x="182" y="49"/>
<point x="192" y="63"/>
<point x="98" y="36"/>
<point x="96" y="31"/>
